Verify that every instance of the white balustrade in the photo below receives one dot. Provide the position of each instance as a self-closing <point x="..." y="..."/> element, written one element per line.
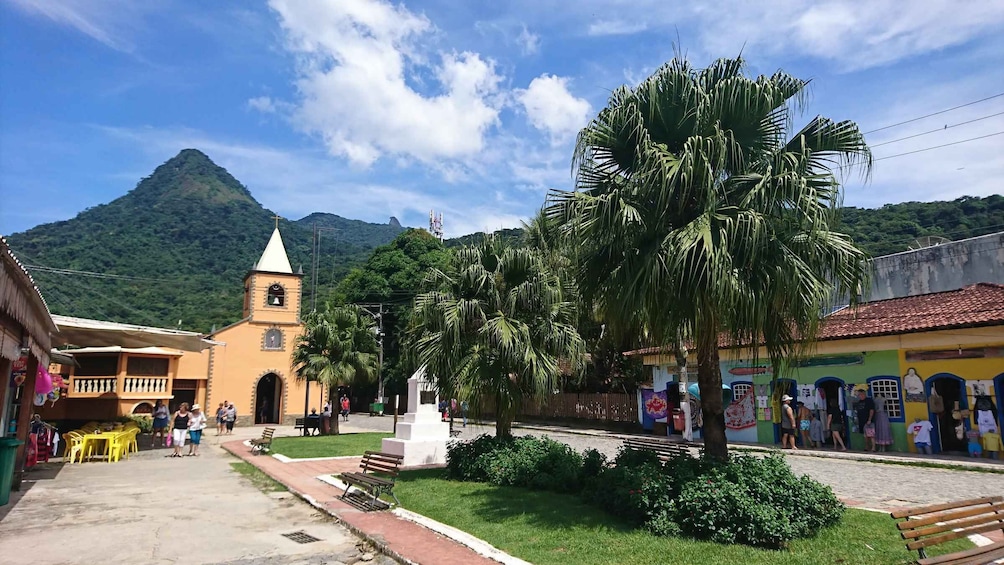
<point x="93" y="385"/>
<point x="145" y="385"/>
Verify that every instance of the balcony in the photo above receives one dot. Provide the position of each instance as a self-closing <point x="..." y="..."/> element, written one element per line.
<point x="119" y="387"/>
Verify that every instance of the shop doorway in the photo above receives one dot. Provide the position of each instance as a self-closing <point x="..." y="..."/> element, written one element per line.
<point x="952" y="389"/>
<point x="833" y="391"/>
<point x="999" y="393"/>
<point x="267" y="397"/>
<point x="182" y="396"/>
<point x="779" y="388"/>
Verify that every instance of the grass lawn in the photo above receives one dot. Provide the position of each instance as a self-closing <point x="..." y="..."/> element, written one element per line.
<point x="328" y="446"/>
<point x="547" y="528"/>
<point x="259" y="479"/>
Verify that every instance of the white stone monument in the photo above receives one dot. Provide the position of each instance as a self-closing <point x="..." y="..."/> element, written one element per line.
<point x="421" y="438"/>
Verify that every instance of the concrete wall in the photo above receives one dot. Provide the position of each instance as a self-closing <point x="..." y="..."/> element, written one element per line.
<point x="936" y="269"/>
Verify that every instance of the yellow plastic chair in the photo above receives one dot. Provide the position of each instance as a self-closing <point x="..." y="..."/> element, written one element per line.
<point x="131" y="445"/>
<point x="73" y="445"/>
<point x="116" y="446"/>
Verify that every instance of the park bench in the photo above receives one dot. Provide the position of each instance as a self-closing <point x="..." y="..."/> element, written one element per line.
<point x="263" y="443"/>
<point x="379" y="471"/>
<point x="663" y="449"/>
<point x="313" y="425"/>
<point x="925" y="526"/>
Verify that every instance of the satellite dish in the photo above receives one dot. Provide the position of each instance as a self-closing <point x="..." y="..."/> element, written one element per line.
<point x="929" y="241"/>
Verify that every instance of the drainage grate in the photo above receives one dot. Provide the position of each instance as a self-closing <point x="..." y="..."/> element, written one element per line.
<point x="301" y="537"/>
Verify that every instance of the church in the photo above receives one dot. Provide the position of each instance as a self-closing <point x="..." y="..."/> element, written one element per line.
<point x="121" y="369"/>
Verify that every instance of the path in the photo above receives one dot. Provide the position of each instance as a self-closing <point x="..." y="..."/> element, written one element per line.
<point x="153" y="510"/>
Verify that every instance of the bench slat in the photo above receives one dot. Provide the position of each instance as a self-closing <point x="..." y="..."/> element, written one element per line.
<point x="385" y="455"/>
<point x="905" y="512"/>
<point x="949" y="536"/>
<point x="938" y="528"/>
<point x="975" y="556"/>
<point x="918" y="523"/>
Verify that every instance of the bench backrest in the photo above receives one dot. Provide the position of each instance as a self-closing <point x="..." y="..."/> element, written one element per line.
<point x="267" y="434"/>
<point x="382" y="463"/>
<point x="939" y="523"/>
<point x="657" y="446"/>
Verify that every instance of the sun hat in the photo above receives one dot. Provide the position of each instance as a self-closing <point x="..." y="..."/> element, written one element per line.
<point x="196" y="406"/>
<point x="785" y="398"/>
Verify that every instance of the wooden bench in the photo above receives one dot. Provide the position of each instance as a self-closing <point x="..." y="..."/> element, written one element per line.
<point x="379" y="471"/>
<point x="925" y="526"/>
<point x="312" y="424"/>
<point x="663" y="449"/>
<point x="259" y="445"/>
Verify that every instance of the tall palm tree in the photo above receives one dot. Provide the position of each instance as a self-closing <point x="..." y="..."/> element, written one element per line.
<point x="697" y="214"/>
<point x="337" y="347"/>
<point x="495" y="327"/>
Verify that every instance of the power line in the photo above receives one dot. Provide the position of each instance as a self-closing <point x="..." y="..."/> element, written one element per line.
<point x="93" y="274"/>
<point x="936" y="130"/>
<point x="936" y="113"/>
<point x="937" y="146"/>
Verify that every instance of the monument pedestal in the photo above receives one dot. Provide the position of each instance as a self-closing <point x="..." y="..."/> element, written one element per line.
<point x="421" y="438"/>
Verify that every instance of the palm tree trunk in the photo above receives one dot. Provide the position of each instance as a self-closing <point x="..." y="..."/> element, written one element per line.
<point x="503" y="418"/>
<point x="709" y="379"/>
<point x="335" y="417"/>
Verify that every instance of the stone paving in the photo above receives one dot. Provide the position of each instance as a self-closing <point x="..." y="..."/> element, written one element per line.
<point x="154" y="510"/>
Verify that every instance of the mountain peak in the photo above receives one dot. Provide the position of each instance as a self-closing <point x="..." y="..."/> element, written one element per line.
<point x="192" y="175"/>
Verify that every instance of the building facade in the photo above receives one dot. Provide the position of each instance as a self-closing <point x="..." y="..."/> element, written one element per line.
<point x="929" y="356"/>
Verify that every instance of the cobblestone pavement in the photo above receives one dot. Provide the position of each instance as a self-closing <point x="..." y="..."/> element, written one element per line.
<point x="153" y="510"/>
<point x="859" y="483"/>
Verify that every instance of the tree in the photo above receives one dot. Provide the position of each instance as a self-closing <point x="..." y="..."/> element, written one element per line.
<point x="494" y="326"/>
<point x="337" y="347"/>
<point x="696" y="216"/>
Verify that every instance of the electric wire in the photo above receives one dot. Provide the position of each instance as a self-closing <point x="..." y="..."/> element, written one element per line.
<point x="934" y="113"/>
<point x="936" y="130"/>
<point x="938" y="146"/>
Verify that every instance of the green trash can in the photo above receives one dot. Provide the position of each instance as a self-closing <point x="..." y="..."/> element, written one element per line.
<point x="8" y="453"/>
<point x="376" y="408"/>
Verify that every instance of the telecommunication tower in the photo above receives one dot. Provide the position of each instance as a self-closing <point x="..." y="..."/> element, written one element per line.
<point x="436" y="224"/>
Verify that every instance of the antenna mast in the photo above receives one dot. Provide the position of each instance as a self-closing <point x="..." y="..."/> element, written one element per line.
<point x="436" y="224"/>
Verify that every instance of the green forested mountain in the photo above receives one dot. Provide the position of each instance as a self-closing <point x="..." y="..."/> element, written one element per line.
<point x="177" y="247"/>
<point x="890" y="229"/>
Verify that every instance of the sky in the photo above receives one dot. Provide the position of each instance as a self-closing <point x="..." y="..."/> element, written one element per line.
<point x="372" y="108"/>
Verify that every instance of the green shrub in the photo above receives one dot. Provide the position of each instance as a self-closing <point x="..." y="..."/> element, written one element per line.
<point x="542" y="464"/>
<point x="593" y="462"/>
<point x="468" y="460"/>
<point x="144" y="421"/>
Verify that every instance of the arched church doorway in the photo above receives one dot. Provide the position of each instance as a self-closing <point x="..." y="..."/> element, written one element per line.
<point x="268" y="394"/>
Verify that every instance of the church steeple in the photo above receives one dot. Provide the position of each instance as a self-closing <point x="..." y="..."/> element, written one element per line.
<point x="271" y="289"/>
<point x="274" y="258"/>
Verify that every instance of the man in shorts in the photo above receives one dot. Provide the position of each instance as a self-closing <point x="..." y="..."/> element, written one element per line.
<point x="231" y="417"/>
<point x="788" y="423"/>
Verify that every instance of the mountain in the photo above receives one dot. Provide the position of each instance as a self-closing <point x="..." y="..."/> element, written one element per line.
<point x="892" y="228"/>
<point x="173" y="251"/>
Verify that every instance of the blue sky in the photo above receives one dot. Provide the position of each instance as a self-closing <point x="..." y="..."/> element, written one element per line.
<point x="369" y="108"/>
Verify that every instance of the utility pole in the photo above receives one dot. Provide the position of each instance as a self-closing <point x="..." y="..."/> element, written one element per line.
<point x="377" y="312"/>
<point x="316" y="263"/>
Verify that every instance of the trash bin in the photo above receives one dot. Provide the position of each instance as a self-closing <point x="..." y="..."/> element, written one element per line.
<point x="376" y="408"/>
<point x="8" y="453"/>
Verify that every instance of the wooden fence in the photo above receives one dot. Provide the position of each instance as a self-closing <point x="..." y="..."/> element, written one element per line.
<point x="611" y="407"/>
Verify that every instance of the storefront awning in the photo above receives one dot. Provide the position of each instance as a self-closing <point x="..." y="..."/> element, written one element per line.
<point x="82" y="332"/>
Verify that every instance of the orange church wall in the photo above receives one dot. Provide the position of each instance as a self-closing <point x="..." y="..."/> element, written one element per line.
<point x="235" y="370"/>
<point x="261" y="311"/>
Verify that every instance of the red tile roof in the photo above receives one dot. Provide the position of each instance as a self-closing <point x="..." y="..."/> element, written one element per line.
<point x="972" y="306"/>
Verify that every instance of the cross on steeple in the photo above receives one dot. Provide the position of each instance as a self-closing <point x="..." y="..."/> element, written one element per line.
<point x="277" y="217"/>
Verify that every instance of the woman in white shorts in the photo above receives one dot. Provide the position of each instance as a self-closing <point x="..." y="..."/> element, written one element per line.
<point x="180" y="428"/>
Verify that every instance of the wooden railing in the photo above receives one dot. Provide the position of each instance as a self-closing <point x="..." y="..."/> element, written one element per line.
<point x="610" y="407"/>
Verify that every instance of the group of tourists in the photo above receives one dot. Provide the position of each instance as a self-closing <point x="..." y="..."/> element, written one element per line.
<point x="872" y="423"/>
<point x="186" y="424"/>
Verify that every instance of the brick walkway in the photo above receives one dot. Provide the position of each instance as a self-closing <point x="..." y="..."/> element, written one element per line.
<point x="398" y="537"/>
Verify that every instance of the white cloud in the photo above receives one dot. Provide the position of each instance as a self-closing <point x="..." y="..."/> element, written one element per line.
<point x="551" y="108"/>
<point x="262" y="104"/>
<point x="616" y="27"/>
<point x="105" y="21"/>
<point x="529" y="42"/>
<point x="358" y="64"/>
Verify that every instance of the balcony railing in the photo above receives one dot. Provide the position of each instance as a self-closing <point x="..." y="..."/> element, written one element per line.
<point x="120" y="387"/>
<point x="93" y="386"/>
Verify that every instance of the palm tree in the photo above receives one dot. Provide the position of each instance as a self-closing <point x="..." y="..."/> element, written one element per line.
<point x="495" y="327"/>
<point x="337" y="347"/>
<point x="698" y="216"/>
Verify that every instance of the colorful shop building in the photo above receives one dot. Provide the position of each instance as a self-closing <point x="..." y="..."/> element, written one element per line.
<point x="936" y="357"/>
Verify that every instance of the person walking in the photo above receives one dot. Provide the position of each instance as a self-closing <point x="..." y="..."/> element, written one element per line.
<point x="230" y="418"/>
<point x="835" y="421"/>
<point x="865" y="408"/>
<point x="788" y="423"/>
<point x="221" y="416"/>
<point x="180" y="429"/>
<point x="196" y="424"/>
<point x="345" y="408"/>
<point x="804" y="424"/>
<point x="161" y="413"/>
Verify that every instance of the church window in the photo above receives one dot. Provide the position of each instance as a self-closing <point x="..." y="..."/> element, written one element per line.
<point x="276" y="295"/>
<point x="273" y="339"/>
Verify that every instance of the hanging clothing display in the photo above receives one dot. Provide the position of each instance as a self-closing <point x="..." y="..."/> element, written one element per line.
<point x="985" y="421"/>
<point x="883" y="430"/>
